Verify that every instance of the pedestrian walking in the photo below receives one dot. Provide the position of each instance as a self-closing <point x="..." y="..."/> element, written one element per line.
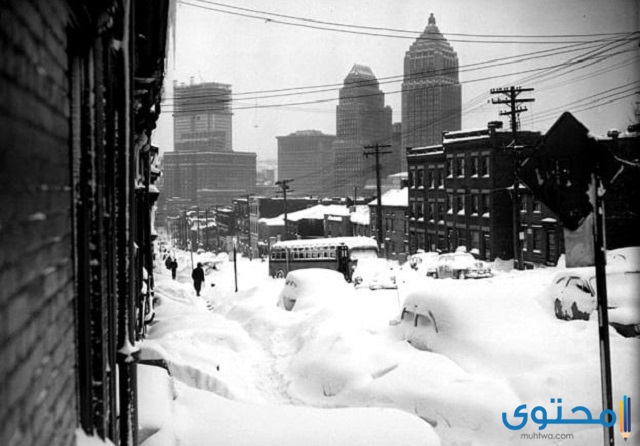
<point x="198" y="278"/>
<point x="174" y="268"/>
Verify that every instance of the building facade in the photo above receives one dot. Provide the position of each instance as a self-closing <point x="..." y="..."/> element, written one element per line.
<point x="203" y="170"/>
<point x="431" y="92"/>
<point x="83" y="82"/>
<point x="202" y="117"/>
<point x="361" y="119"/>
<point x="460" y="193"/>
<point x="207" y="179"/>
<point x="306" y="156"/>
<point x="395" y="204"/>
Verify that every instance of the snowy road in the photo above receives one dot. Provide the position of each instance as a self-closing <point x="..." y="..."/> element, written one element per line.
<point x="506" y="351"/>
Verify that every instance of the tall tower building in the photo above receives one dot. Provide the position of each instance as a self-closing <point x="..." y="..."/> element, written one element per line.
<point x="431" y="98"/>
<point x="203" y="170"/>
<point x="202" y="117"/>
<point x="361" y="119"/>
<point x="306" y="157"/>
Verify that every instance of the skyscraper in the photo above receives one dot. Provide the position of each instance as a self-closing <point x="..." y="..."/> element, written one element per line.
<point x="306" y="157"/>
<point x="361" y="119"/>
<point x="203" y="170"/>
<point x="431" y="100"/>
<point x="202" y="117"/>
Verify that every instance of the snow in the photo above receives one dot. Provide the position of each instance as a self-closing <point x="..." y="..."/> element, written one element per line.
<point x="394" y="197"/>
<point x="340" y="370"/>
<point x="82" y="439"/>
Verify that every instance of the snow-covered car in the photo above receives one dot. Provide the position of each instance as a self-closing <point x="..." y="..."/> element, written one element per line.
<point x="574" y="295"/>
<point x="306" y="287"/>
<point x="374" y="273"/>
<point x="425" y="263"/>
<point x="461" y="265"/>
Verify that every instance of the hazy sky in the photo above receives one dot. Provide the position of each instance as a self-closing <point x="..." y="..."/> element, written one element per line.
<point x="259" y="54"/>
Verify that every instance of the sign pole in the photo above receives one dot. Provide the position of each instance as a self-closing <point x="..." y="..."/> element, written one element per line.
<point x="603" y="317"/>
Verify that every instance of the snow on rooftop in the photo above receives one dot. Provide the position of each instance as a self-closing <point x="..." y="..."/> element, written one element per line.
<point x="318" y="212"/>
<point x="360" y="216"/>
<point x="394" y="197"/>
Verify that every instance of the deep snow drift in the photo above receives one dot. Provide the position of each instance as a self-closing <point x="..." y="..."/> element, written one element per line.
<point x="242" y="369"/>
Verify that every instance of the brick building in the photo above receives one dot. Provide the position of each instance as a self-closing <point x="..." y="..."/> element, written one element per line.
<point x="460" y="193"/>
<point x="81" y="95"/>
<point x="394" y="218"/>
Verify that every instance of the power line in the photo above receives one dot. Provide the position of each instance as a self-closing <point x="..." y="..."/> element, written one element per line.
<point x="397" y="78"/>
<point x="366" y="33"/>
<point x="333" y="99"/>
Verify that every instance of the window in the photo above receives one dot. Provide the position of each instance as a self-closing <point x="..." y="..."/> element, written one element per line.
<point x="475" y="239"/>
<point x="487" y="246"/>
<point x="431" y="215"/>
<point x="460" y="166"/>
<point x="460" y="203"/>
<point x="430" y="178"/>
<point x="484" y="166"/>
<point x="486" y="204"/>
<point x="440" y="211"/>
<point x="537" y="239"/>
<point x="420" y="178"/>
<point x="475" y="203"/>
<point x="474" y="166"/>
<point x="537" y="207"/>
<point x="523" y="203"/>
<point x="449" y="167"/>
<point x="411" y="178"/>
<point x="462" y="238"/>
<point x="449" y="204"/>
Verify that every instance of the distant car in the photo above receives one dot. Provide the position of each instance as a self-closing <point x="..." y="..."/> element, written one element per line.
<point x="425" y="263"/>
<point x="574" y="296"/>
<point x="461" y="265"/>
<point x="306" y="287"/>
<point x="374" y="273"/>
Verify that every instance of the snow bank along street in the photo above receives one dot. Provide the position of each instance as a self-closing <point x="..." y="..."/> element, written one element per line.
<point x="340" y="369"/>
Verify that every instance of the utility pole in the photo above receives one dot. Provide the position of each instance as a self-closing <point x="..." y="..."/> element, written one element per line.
<point x="217" y="244"/>
<point x="284" y="187"/>
<point x="511" y="100"/>
<point x="206" y="228"/>
<point x="198" y="229"/>
<point x="249" y="227"/>
<point x="374" y="149"/>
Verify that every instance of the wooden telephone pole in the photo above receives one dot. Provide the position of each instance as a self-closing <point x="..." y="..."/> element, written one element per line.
<point x="374" y="149"/>
<point x="284" y="187"/>
<point x="511" y="100"/>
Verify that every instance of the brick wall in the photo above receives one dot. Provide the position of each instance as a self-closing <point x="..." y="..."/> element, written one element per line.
<point x="37" y="337"/>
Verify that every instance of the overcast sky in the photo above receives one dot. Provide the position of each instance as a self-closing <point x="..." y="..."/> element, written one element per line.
<point x="259" y="54"/>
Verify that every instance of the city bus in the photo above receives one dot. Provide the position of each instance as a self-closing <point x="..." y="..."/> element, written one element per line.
<point x="337" y="253"/>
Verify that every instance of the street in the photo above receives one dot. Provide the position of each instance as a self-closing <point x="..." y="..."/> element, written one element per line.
<point x="501" y="348"/>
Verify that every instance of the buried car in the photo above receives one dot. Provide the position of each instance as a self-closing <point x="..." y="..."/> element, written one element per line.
<point x="305" y="287"/>
<point x="374" y="273"/>
<point x="574" y="295"/>
<point x="461" y="265"/>
<point x="425" y="263"/>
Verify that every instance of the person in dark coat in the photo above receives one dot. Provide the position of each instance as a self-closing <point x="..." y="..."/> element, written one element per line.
<point x="198" y="278"/>
<point x="174" y="267"/>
